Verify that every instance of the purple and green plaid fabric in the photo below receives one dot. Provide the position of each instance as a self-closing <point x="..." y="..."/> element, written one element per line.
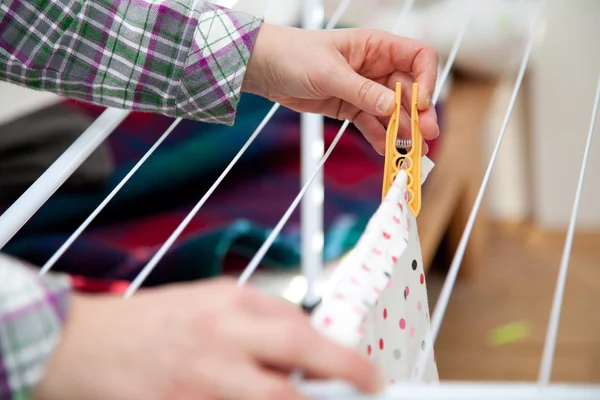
<point x="183" y="58"/>
<point x="32" y="312"/>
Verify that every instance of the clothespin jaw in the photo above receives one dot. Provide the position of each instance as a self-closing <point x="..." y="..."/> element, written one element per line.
<point x="414" y="155"/>
<point x="392" y="156"/>
<point x="411" y="161"/>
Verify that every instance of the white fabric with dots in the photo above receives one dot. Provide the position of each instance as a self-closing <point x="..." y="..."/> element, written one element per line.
<point x="379" y="300"/>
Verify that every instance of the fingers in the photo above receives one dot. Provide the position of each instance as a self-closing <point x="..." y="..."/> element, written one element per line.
<point x="406" y="81"/>
<point x="366" y="94"/>
<point x="288" y="342"/>
<point x="429" y="123"/>
<point x="412" y="55"/>
<point x="267" y="305"/>
<point x="427" y="119"/>
<point x="372" y="129"/>
<point x="295" y="345"/>
<point x="382" y="52"/>
<point x="234" y="376"/>
<point x="256" y="383"/>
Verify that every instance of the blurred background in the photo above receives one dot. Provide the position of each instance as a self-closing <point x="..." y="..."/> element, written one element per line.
<point x="496" y="322"/>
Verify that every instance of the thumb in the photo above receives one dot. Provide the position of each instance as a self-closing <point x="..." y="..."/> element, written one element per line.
<point x="370" y="96"/>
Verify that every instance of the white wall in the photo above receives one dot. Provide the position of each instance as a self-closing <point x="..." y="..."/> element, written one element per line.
<point x="507" y="194"/>
<point x="563" y="86"/>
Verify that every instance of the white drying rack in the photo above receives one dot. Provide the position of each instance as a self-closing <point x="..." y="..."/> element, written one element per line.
<point x="311" y="197"/>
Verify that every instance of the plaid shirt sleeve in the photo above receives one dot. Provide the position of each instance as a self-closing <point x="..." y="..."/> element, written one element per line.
<point x="183" y="58"/>
<point x="32" y="312"/>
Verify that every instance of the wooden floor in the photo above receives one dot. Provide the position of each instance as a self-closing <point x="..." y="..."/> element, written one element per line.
<point x="515" y="284"/>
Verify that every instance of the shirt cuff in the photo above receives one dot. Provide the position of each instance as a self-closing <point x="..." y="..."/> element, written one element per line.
<point x="32" y="314"/>
<point x="214" y="70"/>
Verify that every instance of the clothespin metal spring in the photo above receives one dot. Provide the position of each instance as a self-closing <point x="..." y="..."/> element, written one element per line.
<point x="404" y="144"/>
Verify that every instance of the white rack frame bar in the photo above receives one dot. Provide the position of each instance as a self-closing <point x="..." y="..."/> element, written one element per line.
<point x="454" y="391"/>
<point x="312" y="141"/>
<point x="17" y="215"/>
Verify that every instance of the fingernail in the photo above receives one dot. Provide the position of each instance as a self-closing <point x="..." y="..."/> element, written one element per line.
<point x="428" y="102"/>
<point x="438" y="132"/>
<point x="385" y="103"/>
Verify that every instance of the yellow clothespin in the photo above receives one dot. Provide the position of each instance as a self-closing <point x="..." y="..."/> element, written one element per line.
<point x="411" y="161"/>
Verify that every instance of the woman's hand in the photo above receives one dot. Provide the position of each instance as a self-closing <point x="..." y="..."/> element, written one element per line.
<point x="211" y="340"/>
<point x="346" y="74"/>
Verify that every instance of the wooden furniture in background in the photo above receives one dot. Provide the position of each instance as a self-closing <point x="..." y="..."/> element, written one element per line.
<point x="451" y="189"/>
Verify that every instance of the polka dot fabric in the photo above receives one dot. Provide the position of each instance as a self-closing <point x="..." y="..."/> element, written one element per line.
<point x="406" y="321"/>
<point x="378" y="300"/>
